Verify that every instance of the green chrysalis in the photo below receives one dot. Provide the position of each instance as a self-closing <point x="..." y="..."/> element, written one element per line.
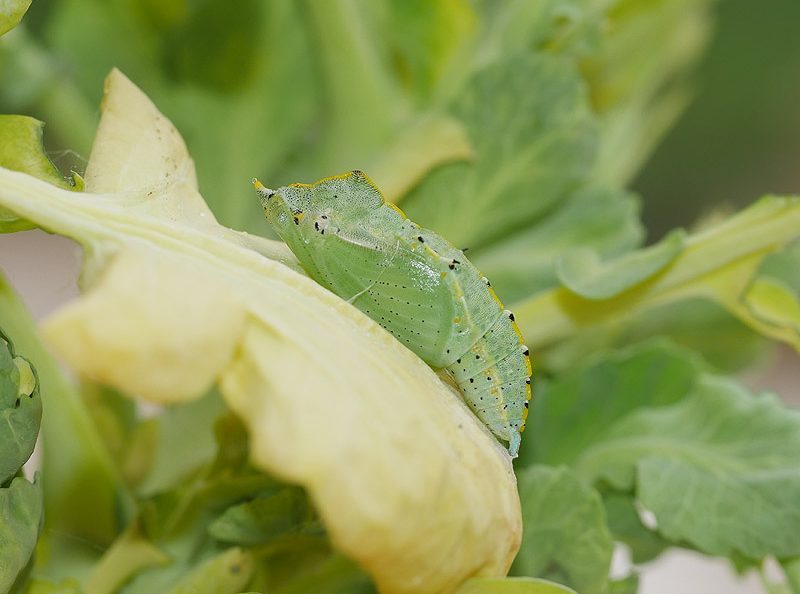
<point x="413" y="283"/>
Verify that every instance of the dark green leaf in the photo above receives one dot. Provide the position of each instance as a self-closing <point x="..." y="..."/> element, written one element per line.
<point x="189" y="56"/>
<point x="565" y="536"/>
<point x="184" y="441"/>
<point x="626" y="526"/>
<point x="20" y="520"/>
<point x="283" y="512"/>
<point x="20" y="410"/>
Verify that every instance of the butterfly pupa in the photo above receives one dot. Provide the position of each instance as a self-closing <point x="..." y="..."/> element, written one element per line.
<point x="415" y="284"/>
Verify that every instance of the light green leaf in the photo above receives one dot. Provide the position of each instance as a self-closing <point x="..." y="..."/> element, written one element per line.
<point x="791" y="567"/>
<point x="21" y="150"/>
<point x="43" y="586"/>
<point x="300" y="366"/>
<point x="565" y="536"/>
<point x="602" y="219"/>
<point x="20" y="520"/>
<point x="717" y="264"/>
<point x="564" y="27"/>
<point x="129" y="554"/>
<point x="227" y="573"/>
<point x="518" y="585"/>
<point x="20" y="410"/>
<point x="533" y="144"/>
<point x="582" y="272"/>
<point x="428" y="141"/>
<point x="11" y="13"/>
<point x="774" y="302"/>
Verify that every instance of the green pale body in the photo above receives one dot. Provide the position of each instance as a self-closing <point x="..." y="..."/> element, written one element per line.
<point x="413" y="283"/>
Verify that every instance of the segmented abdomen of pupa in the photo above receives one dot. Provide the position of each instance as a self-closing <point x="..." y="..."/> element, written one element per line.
<point x="494" y="378"/>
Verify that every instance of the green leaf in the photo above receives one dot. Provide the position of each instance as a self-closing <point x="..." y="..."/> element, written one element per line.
<point x="190" y="59"/>
<point x="720" y="454"/>
<point x="696" y="450"/>
<point x="602" y="219"/>
<point x="626" y="526"/>
<point x="11" y="13"/>
<point x="627" y="585"/>
<point x="426" y="39"/>
<point x="533" y="144"/>
<point x="718" y="263"/>
<point x="20" y="521"/>
<point x="266" y="518"/>
<point x="569" y="416"/>
<point x="517" y="585"/>
<point x="226" y="573"/>
<point x="582" y="272"/>
<point x="565" y="536"/>
<point x="129" y="554"/>
<point x="183" y="442"/>
<point x="84" y="495"/>
<point x="43" y="586"/>
<point x="20" y="410"/>
<point x="567" y="27"/>
<point x="702" y="326"/>
<point x="267" y="119"/>
<point x="791" y="567"/>
<point x="784" y="265"/>
<point x="774" y="303"/>
<point x="21" y="150"/>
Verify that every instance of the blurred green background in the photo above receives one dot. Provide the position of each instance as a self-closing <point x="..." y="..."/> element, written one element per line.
<point x="740" y="136"/>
